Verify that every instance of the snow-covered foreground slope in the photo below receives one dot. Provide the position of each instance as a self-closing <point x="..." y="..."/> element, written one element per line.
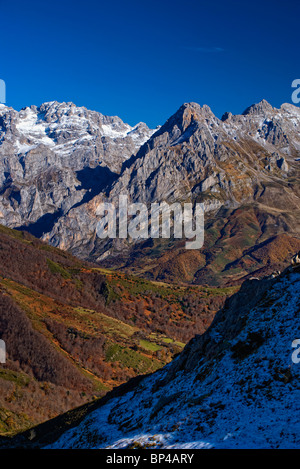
<point x="236" y="386"/>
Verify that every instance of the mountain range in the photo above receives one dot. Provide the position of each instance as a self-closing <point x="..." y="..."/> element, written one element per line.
<point x="59" y="161"/>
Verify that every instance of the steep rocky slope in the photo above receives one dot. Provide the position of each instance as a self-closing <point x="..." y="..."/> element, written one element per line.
<point x="243" y="168"/>
<point x="235" y="386"/>
<point x="57" y="155"/>
<point x="59" y="162"/>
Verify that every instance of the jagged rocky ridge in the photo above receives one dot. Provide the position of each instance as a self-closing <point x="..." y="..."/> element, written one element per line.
<point x="248" y="161"/>
<point x="58" y="155"/>
<point x="235" y="386"/>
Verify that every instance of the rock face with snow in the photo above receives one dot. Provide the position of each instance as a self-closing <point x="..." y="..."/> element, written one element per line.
<point x="235" y="386"/>
<point x="59" y="162"/>
<point x="52" y="156"/>
<point x="194" y="153"/>
<point x="237" y="161"/>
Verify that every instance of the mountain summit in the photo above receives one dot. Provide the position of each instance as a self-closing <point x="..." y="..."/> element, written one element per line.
<point x="260" y="108"/>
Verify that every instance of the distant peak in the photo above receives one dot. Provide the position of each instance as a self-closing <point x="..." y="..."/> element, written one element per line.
<point x="190" y="104"/>
<point x="196" y="107"/>
<point x="193" y="112"/>
<point x="260" y="108"/>
<point x="227" y="115"/>
<point x="290" y="108"/>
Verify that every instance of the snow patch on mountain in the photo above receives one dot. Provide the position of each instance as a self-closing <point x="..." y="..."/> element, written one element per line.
<point x="56" y="119"/>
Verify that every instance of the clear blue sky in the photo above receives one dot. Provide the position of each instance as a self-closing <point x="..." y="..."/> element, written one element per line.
<point x="142" y="59"/>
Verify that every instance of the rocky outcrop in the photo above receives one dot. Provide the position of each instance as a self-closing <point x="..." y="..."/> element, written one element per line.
<point x="296" y="260"/>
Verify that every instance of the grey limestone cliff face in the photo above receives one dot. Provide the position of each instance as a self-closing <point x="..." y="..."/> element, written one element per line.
<point x="59" y="162"/>
<point x="195" y="156"/>
<point x="53" y="156"/>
